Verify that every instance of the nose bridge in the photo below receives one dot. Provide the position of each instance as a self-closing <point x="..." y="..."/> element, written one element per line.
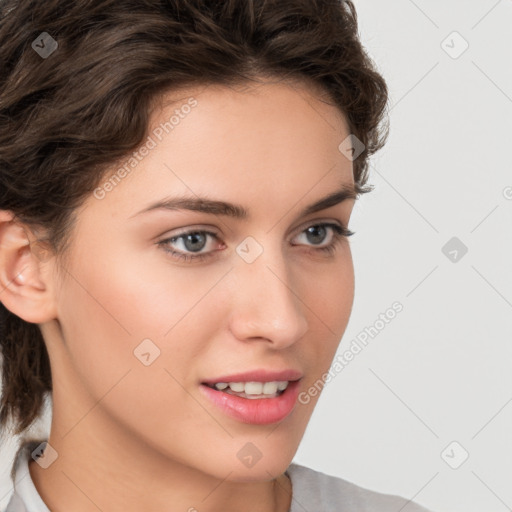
<point x="264" y="302"/>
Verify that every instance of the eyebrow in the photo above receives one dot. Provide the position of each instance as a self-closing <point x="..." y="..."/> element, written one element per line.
<point x="236" y="211"/>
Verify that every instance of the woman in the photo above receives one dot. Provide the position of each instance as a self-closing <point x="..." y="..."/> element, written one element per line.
<point x="177" y="179"/>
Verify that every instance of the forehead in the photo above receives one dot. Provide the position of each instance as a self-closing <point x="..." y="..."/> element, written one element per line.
<point x="272" y="141"/>
<point x="270" y="102"/>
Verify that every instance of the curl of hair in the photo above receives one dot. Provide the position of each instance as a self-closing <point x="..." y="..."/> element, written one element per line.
<point x="66" y="119"/>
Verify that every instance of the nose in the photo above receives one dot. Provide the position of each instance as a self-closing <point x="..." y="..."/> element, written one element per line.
<point x="266" y="302"/>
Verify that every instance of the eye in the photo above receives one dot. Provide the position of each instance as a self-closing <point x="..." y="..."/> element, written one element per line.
<point x="316" y="233"/>
<point x="193" y="242"/>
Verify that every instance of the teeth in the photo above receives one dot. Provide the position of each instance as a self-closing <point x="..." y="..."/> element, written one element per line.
<point x="269" y="388"/>
<point x="237" y="386"/>
<point x="253" y="388"/>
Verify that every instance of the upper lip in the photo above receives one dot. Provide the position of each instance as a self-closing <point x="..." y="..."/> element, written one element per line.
<point x="260" y="375"/>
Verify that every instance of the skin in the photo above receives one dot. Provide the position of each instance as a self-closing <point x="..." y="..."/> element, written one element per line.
<point x="144" y="436"/>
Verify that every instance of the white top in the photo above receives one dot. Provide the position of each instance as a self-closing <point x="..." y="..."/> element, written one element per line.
<point x="312" y="491"/>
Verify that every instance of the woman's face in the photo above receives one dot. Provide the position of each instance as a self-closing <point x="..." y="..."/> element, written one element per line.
<point x="140" y="331"/>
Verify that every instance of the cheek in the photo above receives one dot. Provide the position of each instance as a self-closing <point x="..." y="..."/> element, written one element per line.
<point x="106" y="312"/>
<point x="109" y="310"/>
<point x="329" y="306"/>
<point x="330" y="295"/>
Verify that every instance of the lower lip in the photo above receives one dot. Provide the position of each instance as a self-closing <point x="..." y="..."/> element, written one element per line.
<point x="258" y="411"/>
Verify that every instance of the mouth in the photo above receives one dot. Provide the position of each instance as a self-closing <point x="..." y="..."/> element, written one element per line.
<point x="258" y="398"/>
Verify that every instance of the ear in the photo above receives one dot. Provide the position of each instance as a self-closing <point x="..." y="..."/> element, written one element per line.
<point x="25" y="285"/>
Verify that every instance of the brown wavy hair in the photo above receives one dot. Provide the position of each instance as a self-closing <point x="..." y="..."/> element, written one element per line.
<point x="67" y="118"/>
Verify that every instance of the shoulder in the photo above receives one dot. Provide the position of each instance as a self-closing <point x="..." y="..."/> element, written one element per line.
<point x="313" y="490"/>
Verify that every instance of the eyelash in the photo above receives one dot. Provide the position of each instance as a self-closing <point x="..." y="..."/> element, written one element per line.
<point x="340" y="233"/>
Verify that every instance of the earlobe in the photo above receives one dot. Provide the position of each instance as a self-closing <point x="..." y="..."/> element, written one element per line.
<point x="25" y="284"/>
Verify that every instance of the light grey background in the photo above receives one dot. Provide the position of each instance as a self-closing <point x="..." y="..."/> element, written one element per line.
<point x="440" y="371"/>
